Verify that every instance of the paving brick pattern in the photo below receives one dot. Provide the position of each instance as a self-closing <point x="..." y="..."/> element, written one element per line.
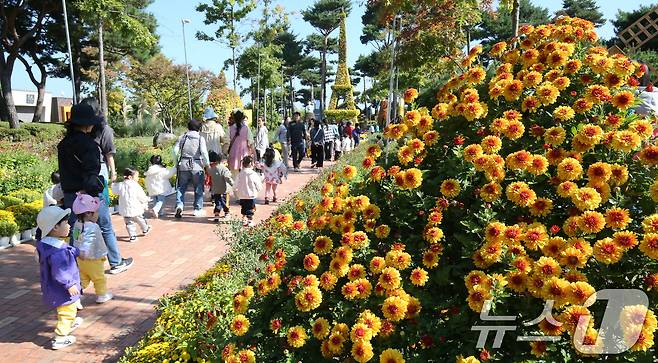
<point x="166" y="260"/>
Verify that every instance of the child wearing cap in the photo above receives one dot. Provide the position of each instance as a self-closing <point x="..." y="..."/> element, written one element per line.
<point x="88" y="238"/>
<point x="60" y="277"/>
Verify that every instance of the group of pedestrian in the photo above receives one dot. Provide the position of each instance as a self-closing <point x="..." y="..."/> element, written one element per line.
<point x="75" y="234"/>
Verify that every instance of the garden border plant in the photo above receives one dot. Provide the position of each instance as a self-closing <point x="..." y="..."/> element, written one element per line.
<point x="194" y="323"/>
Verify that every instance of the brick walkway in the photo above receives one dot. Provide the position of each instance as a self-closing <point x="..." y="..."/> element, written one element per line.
<point x="165" y="261"/>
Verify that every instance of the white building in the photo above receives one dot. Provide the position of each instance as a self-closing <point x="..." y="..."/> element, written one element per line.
<point x="26" y="102"/>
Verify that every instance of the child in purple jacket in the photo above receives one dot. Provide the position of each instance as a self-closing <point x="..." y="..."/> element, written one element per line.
<point x="60" y="277"/>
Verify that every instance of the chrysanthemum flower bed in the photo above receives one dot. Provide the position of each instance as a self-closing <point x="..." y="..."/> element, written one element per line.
<point x="530" y="181"/>
<point x="193" y="325"/>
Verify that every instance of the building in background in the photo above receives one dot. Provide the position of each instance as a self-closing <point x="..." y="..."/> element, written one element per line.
<point x="54" y="109"/>
<point x="26" y="103"/>
<point x="61" y="109"/>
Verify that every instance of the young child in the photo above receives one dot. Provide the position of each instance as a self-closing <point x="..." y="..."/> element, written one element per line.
<point x="88" y="238"/>
<point x="273" y="171"/>
<point x="338" y="146"/>
<point x="132" y="202"/>
<point x="221" y="184"/>
<point x="60" y="277"/>
<point x="157" y="183"/>
<point x="54" y="194"/>
<point x="248" y="185"/>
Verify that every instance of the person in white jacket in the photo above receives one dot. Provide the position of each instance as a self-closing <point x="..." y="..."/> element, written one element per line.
<point x="157" y="183"/>
<point x="262" y="141"/>
<point x="132" y="203"/>
<point x="249" y="183"/>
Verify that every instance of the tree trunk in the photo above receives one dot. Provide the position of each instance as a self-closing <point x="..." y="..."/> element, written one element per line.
<point x="292" y="98"/>
<point x="516" y="7"/>
<point x="77" y="82"/>
<point x="235" y="72"/>
<point x="41" y="94"/>
<point x="101" y="62"/>
<point x="8" y="98"/>
<point x="323" y="75"/>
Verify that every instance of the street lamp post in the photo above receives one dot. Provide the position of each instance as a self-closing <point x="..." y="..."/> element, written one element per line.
<point x="187" y="68"/>
<point x="68" y="44"/>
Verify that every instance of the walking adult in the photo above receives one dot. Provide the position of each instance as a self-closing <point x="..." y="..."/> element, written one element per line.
<point x="262" y="141"/>
<point x="347" y="131"/>
<point x="241" y="142"/>
<point x="282" y="137"/>
<point x="317" y="145"/>
<point x="329" y="137"/>
<point x="79" y="163"/>
<point x="192" y="155"/>
<point x="212" y="131"/>
<point x="356" y="134"/>
<point x="297" y="139"/>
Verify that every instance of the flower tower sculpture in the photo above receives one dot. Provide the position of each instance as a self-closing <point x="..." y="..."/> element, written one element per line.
<point x="530" y="184"/>
<point x="342" y="88"/>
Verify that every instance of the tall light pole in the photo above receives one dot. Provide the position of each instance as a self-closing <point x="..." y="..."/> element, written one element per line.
<point x="68" y="44"/>
<point x="187" y="68"/>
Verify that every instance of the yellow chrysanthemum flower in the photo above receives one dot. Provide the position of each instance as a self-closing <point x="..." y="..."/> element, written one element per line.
<point x="394" y="308"/>
<point x="563" y="113"/>
<point x="296" y="336"/>
<point x="240" y="325"/>
<point x="450" y="188"/>
<point x="320" y="328"/>
<point x="586" y="198"/>
<point x="362" y="351"/>
<point x="569" y="169"/>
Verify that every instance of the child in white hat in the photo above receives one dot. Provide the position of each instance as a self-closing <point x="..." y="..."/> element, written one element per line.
<point x="88" y="238"/>
<point x="60" y="277"/>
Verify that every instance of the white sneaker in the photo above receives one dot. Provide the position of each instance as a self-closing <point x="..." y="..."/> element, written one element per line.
<point x="62" y="341"/>
<point x="199" y="213"/>
<point x="76" y="324"/>
<point x="148" y="229"/>
<point x="251" y="224"/>
<point x="78" y="305"/>
<point x="100" y="299"/>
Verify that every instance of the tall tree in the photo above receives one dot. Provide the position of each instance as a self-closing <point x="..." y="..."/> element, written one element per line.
<point x="21" y="25"/>
<point x="293" y="60"/>
<point x="158" y="83"/>
<point x="118" y="44"/>
<point x="227" y="14"/>
<point x="113" y="14"/>
<point x="499" y="27"/>
<point x="324" y="16"/>
<point x="584" y="9"/>
<point x="428" y="34"/>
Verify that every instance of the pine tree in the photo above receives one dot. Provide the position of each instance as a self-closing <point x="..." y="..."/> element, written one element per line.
<point x="342" y="88"/>
<point x="585" y="9"/>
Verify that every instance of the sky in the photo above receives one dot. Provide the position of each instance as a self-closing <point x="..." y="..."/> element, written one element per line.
<point x="211" y="55"/>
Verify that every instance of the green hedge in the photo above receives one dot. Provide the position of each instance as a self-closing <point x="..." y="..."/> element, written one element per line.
<point x="194" y="323"/>
<point x="137" y="152"/>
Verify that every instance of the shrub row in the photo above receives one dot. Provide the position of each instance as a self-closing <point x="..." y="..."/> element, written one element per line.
<point x="18" y="211"/>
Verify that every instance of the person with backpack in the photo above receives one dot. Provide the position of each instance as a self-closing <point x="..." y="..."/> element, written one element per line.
<point x="192" y="155"/>
<point x="317" y="145"/>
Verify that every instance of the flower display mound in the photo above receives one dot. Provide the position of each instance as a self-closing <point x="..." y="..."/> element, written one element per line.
<point x="529" y="182"/>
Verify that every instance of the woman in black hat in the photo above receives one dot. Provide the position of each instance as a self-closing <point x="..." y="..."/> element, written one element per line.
<point x="79" y="161"/>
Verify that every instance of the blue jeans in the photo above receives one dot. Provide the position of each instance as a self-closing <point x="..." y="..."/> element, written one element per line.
<point x="220" y="203"/>
<point x="196" y="177"/>
<point x="105" y="222"/>
<point x="158" y="201"/>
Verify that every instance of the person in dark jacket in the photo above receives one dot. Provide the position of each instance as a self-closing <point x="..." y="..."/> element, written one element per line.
<point x="317" y="145"/>
<point x="79" y="161"/>
<point x="296" y="139"/>
<point x="60" y="277"/>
